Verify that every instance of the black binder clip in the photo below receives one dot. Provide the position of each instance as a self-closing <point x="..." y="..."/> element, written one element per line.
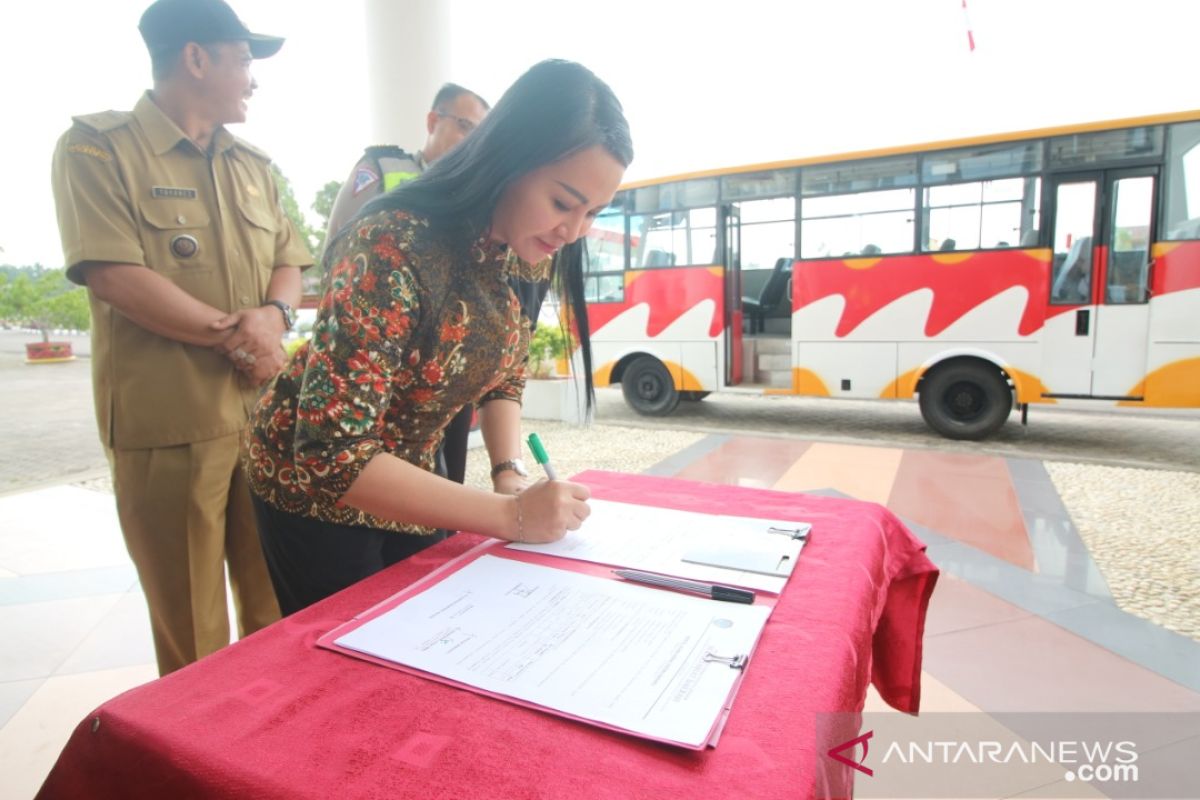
<point x="733" y="662"/>
<point x="800" y="533"/>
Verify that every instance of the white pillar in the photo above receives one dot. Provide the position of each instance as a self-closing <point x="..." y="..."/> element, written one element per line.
<point x="408" y="59"/>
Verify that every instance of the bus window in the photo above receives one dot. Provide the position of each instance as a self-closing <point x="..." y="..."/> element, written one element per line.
<point x="604" y="272"/>
<point x="674" y="238"/>
<point x="865" y="223"/>
<point x="1132" y="204"/>
<point x="775" y="183"/>
<point x="768" y="232"/>
<point x="857" y="208"/>
<point x="1074" y="223"/>
<point x="680" y="194"/>
<point x="1182" y="219"/>
<point x="1106" y="147"/>
<point x="981" y="215"/>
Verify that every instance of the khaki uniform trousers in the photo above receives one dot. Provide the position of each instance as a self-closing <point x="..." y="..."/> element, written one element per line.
<point x="185" y="511"/>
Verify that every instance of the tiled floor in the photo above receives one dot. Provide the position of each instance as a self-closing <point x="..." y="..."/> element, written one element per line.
<point x="1022" y="619"/>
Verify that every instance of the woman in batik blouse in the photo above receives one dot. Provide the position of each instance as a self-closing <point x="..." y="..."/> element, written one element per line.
<point x="417" y="320"/>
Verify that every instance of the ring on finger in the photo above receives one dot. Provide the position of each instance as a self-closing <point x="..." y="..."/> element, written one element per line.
<point x="249" y="358"/>
<point x="239" y="354"/>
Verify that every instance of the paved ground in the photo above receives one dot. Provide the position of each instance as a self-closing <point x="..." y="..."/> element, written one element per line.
<point x="1082" y="432"/>
<point x="51" y="435"/>
<point x="1130" y="477"/>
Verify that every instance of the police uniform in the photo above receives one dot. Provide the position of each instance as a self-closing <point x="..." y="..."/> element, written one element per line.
<point x="381" y="169"/>
<point x="132" y="188"/>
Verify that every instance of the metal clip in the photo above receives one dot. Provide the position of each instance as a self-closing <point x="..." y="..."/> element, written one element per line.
<point x="733" y="662"/>
<point x="795" y="533"/>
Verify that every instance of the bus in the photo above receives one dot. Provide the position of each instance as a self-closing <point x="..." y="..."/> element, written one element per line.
<point x="975" y="275"/>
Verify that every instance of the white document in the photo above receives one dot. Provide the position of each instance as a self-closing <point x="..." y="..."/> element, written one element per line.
<point x="628" y="656"/>
<point x="656" y="539"/>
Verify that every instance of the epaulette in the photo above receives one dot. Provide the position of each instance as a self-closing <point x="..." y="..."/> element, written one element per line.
<point x="386" y="151"/>
<point x="251" y="149"/>
<point x="104" y="121"/>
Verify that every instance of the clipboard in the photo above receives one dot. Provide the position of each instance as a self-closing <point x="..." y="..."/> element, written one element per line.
<point x="762" y="546"/>
<point x="779" y="562"/>
<point x="729" y="663"/>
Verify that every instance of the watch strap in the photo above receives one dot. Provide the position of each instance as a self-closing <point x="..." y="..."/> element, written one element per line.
<point x="289" y="316"/>
<point x="511" y="464"/>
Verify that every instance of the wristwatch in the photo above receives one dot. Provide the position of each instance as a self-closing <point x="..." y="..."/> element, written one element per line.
<point x="289" y="316"/>
<point x="514" y="464"/>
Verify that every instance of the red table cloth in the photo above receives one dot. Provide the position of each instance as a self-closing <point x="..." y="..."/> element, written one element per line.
<point x="273" y="716"/>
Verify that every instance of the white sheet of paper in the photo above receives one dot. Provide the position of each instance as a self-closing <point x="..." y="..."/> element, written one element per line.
<point x="655" y="539"/>
<point x="622" y="654"/>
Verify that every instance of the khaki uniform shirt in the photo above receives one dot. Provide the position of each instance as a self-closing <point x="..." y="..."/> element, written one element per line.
<point x="131" y="188"/>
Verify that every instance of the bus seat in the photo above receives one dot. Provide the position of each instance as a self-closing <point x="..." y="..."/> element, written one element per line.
<point x="948" y="244"/>
<point x="871" y="250"/>
<point x="757" y="308"/>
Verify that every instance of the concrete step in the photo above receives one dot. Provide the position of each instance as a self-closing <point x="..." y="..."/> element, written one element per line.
<point x="775" y="378"/>
<point x="774" y="361"/>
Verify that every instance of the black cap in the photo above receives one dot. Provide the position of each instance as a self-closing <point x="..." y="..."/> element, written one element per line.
<point x="170" y="24"/>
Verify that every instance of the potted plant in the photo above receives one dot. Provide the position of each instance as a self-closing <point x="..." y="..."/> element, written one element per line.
<point x="45" y="301"/>
<point x="549" y="392"/>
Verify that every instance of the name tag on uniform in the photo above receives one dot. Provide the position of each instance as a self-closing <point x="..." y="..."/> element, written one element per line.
<point x="173" y="191"/>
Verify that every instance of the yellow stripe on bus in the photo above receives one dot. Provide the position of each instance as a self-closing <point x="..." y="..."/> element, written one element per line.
<point x="1012" y="136"/>
<point x="1174" y="385"/>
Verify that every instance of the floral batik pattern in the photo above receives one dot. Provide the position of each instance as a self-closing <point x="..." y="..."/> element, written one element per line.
<point x="413" y="325"/>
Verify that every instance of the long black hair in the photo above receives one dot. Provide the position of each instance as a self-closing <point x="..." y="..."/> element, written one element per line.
<point x="556" y="109"/>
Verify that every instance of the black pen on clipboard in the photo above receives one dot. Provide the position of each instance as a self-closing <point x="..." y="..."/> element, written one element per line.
<point x="715" y="591"/>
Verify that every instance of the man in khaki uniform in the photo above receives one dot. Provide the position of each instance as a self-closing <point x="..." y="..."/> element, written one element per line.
<point x="175" y="227"/>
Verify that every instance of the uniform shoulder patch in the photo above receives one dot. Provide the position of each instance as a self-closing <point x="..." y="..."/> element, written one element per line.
<point x="83" y="148"/>
<point x="364" y="177"/>
<point x="104" y="120"/>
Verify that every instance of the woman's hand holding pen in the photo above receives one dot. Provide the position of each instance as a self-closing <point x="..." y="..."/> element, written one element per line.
<point x="548" y="509"/>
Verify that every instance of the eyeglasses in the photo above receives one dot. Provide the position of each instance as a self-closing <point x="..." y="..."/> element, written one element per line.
<point x="464" y="125"/>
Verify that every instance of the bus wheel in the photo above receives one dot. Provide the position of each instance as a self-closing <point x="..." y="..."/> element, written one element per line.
<point x="965" y="400"/>
<point x="648" y="387"/>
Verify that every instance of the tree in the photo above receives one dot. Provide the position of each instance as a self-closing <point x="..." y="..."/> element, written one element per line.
<point x="43" y="299"/>
<point x="323" y="204"/>
<point x="291" y="209"/>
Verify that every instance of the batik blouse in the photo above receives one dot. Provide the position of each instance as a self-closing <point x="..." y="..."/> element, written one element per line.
<point x="414" y="323"/>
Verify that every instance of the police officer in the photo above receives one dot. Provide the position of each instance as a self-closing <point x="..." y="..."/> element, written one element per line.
<point x="456" y="111"/>
<point x="192" y="269"/>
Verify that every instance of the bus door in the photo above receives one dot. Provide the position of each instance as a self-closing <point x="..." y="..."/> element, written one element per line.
<point x="732" y="260"/>
<point x="1094" y="341"/>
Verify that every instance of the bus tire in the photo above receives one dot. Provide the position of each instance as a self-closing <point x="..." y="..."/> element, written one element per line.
<point x="965" y="400"/>
<point x="648" y="387"/>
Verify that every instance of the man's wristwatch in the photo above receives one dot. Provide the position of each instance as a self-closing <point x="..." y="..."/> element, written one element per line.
<point x="289" y="315"/>
<point x="514" y="464"/>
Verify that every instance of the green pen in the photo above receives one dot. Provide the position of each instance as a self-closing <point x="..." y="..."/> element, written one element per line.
<point x="539" y="454"/>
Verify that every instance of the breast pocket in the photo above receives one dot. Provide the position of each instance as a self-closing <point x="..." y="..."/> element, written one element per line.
<point x="260" y="230"/>
<point x="177" y="237"/>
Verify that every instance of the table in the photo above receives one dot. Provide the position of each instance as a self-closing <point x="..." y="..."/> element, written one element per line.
<point x="273" y="716"/>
